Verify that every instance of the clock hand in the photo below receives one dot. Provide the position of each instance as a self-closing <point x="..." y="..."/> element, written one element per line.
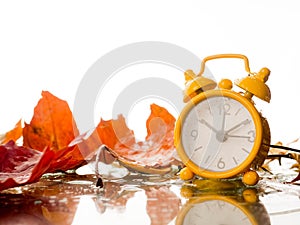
<point x="244" y="122"/>
<point x="223" y="121"/>
<point x="237" y="136"/>
<point x="208" y="125"/>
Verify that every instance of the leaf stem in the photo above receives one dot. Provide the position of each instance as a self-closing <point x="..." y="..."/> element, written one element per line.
<point x="284" y="147"/>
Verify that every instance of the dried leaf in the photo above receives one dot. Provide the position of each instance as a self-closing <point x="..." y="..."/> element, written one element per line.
<point x="51" y="143"/>
<point x="296" y="157"/>
<point x="149" y="156"/>
<point x="52" y="124"/>
<point x="14" y="134"/>
<point x="273" y="151"/>
<point x="279" y="153"/>
<point x="21" y="165"/>
<point x="86" y="145"/>
<point x="63" y="161"/>
<point x="115" y="132"/>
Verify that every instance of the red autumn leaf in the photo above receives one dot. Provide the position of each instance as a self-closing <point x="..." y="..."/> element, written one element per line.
<point x="14" y="134"/>
<point x="52" y="124"/>
<point x="62" y="161"/>
<point x="22" y="165"/>
<point x="157" y="151"/>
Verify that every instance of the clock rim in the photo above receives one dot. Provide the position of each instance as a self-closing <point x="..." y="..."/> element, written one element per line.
<point x="257" y="142"/>
<point x="189" y="204"/>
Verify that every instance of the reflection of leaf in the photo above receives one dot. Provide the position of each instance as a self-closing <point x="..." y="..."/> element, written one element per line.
<point x="21" y="165"/>
<point x="20" y="209"/>
<point x="117" y="197"/>
<point x="14" y="134"/>
<point x="58" y="217"/>
<point x="162" y="205"/>
<point x="52" y="124"/>
<point x="157" y="151"/>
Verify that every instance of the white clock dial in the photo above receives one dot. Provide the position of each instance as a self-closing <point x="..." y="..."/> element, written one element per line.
<point x="218" y="134"/>
<point x="216" y="212"/>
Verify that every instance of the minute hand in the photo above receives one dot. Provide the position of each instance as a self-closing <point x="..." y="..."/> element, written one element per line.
<point x="244" y="122"/>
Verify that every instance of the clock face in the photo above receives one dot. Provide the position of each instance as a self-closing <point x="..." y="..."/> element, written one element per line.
<point x="216" y="212"/>
<point x="218" y="133"/>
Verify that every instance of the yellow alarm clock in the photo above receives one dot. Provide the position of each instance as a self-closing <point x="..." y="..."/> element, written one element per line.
<point x="220" y="133"/>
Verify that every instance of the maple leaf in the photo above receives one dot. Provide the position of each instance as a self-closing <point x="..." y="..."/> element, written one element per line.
<point x="52" y="124"/>
<point x="14" y="134"/>
<point x="154" y="155"/>
<point x="22" y="165"/>
<point x="79" y="151"/>
<point x="87" y="143"/>
<point x="51" y="143"/>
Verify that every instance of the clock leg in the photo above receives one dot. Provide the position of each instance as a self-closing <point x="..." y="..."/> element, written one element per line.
<point x="250" y="178"/>
<point x="186" y="174"/>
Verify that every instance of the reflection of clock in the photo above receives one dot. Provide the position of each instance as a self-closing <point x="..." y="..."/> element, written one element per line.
<point x="221" y="210"/>
<point x="220" y="133"/>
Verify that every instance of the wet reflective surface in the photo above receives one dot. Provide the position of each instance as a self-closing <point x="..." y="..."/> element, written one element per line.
<point x="136" y="199"/>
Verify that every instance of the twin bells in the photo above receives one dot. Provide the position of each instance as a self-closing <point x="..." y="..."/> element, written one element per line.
<point x="253" y="84"/>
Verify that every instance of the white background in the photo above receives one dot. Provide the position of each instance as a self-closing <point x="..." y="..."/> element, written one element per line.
<point x="49" y="45"/>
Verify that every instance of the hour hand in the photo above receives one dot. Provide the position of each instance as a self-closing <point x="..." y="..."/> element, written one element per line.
<point x="208" y="125"/>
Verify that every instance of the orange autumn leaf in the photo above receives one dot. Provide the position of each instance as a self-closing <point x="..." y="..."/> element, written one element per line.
<point x="52" y="124"/>
<point x="14" y="134"/>
<point x="156" y="151"/>
<point x="115" y="132"/>
<point x="160" y="127"/>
